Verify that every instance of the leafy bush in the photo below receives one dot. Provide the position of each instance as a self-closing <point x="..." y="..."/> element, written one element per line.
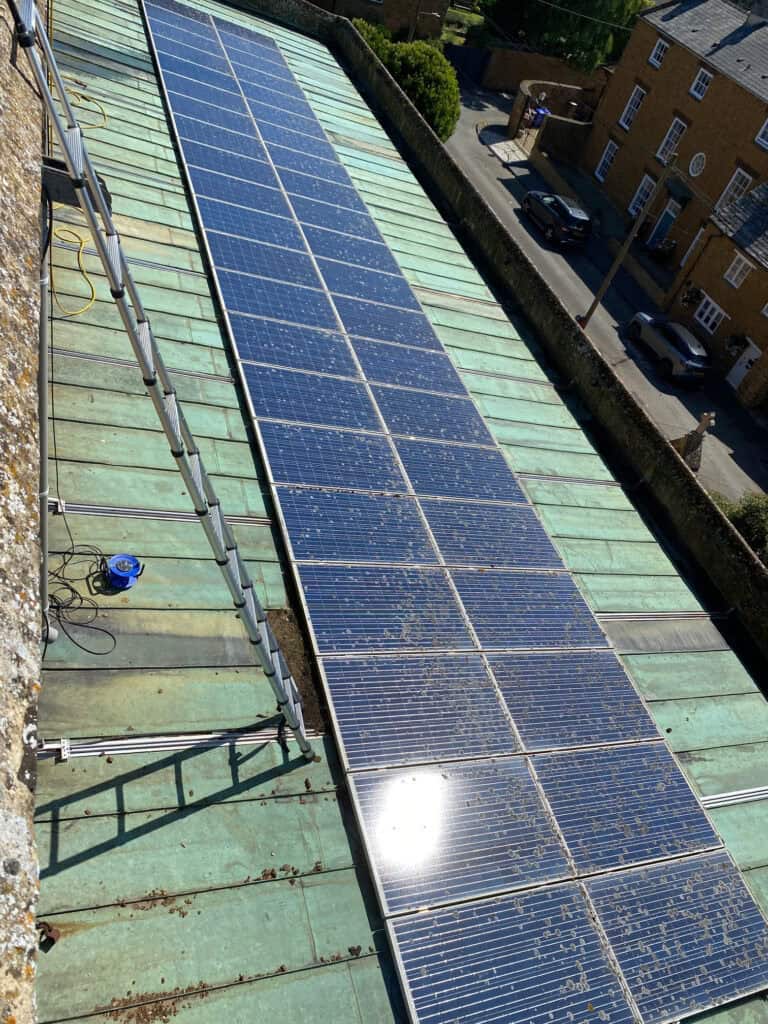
<point x="422" y="72"/>
<point x="750" y="517"/>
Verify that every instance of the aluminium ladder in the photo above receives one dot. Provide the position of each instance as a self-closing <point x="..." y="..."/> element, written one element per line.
<point x="30" y="30"/>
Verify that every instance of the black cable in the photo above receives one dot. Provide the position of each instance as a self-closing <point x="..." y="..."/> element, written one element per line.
<point x="46" y="242"/>
<point x="70" y="607"/>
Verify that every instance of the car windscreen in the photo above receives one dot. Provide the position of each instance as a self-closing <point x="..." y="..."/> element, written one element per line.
<point x="571" y="212"/>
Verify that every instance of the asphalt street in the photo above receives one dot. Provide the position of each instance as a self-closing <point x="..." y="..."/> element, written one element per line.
<point x="735" y="456"/>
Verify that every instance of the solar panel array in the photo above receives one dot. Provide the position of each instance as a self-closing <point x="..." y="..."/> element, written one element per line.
<point x="537" y="852"/>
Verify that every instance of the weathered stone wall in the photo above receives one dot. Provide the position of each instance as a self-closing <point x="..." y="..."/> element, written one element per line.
<point x="20" y="126"/>
<point x="696" y="524"/>
<point x="508" y="68"/>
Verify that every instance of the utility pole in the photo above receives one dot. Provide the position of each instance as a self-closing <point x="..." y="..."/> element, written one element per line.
<point x="584" y="319"/>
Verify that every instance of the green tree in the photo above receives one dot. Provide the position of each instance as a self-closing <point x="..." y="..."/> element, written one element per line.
<point x="424" y="75"/>
<point x="596" y="32"/>
<point x="750" y="517"/>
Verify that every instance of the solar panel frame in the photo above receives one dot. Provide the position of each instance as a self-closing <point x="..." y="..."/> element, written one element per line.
<point x="395" y="326"/>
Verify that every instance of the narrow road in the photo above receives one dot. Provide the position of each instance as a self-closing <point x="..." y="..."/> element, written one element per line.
<point x="735" y="457"/>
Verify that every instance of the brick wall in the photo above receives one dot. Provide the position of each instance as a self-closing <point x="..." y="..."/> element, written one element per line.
<point x="506" y="69"/>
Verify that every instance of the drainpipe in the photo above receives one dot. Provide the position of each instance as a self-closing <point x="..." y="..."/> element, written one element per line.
<point x="49" y="633"/>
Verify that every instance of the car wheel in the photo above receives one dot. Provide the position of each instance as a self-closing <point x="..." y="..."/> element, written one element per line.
<point x="634" y="332"/>
<point x="549" y="234"/>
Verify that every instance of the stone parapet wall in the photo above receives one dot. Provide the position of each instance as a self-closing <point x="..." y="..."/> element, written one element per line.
<point x="20" y="144"/>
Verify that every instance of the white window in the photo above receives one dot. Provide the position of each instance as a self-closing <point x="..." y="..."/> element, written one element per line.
<point x="670" y="142"/>
<point x="633" y="106"/>
<point x="606" y="160"/>
<point x="738" y="270"/>
<point x="735" y="189"/>
<point x="658" y="53"/>
<point x="643" y="194"/>
<point x="762" y="136"/>
<point x="709" y="315"/>
<point x="701" y="83"/>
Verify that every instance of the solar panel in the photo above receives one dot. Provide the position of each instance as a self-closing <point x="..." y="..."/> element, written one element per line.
<point x="448" y="804"/>
<point x="571" y="699"/>
<point x="369" y="609"/>
<point x="343" y="527"/>
<point x="330" y="458"/>
<point x="308" y="398"/>
<point x="444" y="832"/>
<point x="687" y="935"/>
<point x="397" y="711"/>
<point x="417" y="414"/>
<point x="472" y="533"/>
<point x="452" y="471"/>
<point x="623" y="805"/>
<point x="265" y="341"/>
<point x="528" y="957"/>
<point x="527" y="609"/>
<point x="411" y="367"/>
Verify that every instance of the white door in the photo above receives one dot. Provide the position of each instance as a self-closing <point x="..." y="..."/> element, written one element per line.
<point x="743" y="364"/>
<point x="664" y="223"/>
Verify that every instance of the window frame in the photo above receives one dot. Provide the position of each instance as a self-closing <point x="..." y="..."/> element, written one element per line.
<point x="657" y="62"/>
<point x="738" y="270"/>
<point x="709" y="76"/>
<point x="764" y="310"/>
<point x="721" y="202"/>
<point x="762" y="136"/>
<point x="602" y="159"/>
<point x="635" y="212"/>
<point x="625" y="123"/>
<point x="704" y="321"/>
<point x="668" y="135"/>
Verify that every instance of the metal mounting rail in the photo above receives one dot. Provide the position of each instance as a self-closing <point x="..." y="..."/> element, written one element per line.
<point x="30" y="30"/>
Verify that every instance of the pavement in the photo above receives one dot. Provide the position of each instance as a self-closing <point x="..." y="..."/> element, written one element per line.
<point x="735" y="457"/>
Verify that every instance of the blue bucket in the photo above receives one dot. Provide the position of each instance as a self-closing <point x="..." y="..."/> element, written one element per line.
<point x="123" y="571"/>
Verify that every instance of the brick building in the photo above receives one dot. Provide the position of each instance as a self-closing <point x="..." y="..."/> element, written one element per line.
<point x="419" y="18"/>
<point x="693" y="80"/>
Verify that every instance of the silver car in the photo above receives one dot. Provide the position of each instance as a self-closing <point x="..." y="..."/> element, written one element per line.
<point x="681" y="355"/>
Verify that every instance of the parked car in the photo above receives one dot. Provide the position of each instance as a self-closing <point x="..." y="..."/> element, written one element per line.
<point x="559" y="217"/>
<point x="680" y="353"/>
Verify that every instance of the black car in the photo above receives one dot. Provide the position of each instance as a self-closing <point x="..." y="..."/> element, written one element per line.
<point x="559" y="217"/>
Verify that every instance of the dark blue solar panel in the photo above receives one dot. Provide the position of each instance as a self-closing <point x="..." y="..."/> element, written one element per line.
<point x="237" y="220"/>
<point x="527" y="609"/>
<point x="180" y="86"/>
<point x="191" y="54"/>
<point x="236" y="32"/>
<point x="391" y="289"/>
<point x="324" y="215"/>
<point x="261" y="227"/>
<point x="191" y="33"/>
<point x="282" y="97"/>
<point x="269" y="114"/>
<point x="454" y="472"/>
<point x="337" y="246"/>
<point x="623" y="805"/>
<point x="219" y="80"/>
<point x="183" y="106"/>
<point x="687" y="935"/>
<point x="261" y="297"/>
<point x="265" y="260"/>
<point x="337" y="526"/>
<point x="219" y="138"/>
<point x="409" y="367"/>
<point x="417" y="414"/>
<point x="571" y="699"/>
<point x="278" y="135"/>
<point x="315" y="188"/>
<point x="199" y="20"/>
<point x="446" y="832"/>
<point x="528" y="958"/>
<point x="242" y="193"/>
<point x="266" y="198"/>
<point x="331" y="458"/>
<point x="386" y="324"/>
<point x="371" y="608"/>
<point x="470" y="533"/>
<point x="329" y="170"/>
<point x="258" y="171"/>
<point x="397" y="711"/>
<point x="307" y="398"/>
<point x="265" y="341"/>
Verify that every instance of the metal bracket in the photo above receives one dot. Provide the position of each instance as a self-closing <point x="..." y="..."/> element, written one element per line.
<point x="59" y="185"/>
